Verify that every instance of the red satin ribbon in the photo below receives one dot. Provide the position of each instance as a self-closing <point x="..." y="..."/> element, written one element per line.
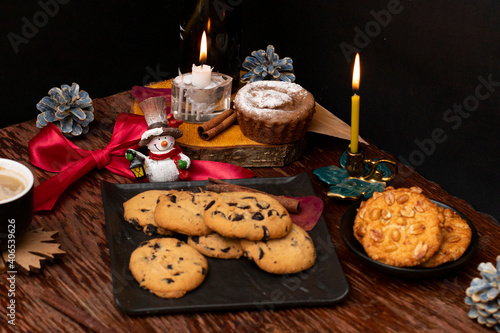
<point x="51" y="151"/>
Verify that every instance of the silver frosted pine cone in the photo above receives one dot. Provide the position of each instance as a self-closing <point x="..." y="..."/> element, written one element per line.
<point x="266" y="65"/>
<point x="483" y="296"/>
<point x="69" y="108"/>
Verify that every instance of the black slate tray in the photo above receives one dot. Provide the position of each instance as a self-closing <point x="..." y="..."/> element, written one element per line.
<point x="230" y="284"/>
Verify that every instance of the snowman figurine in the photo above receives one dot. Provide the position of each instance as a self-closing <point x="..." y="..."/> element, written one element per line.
<point x="166" y="161"/>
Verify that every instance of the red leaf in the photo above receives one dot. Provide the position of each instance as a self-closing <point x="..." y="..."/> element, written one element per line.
<point x="309" y="213"/>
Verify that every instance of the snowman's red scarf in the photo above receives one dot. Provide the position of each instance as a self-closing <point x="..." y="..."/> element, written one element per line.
<point x="175" y="155"/>
<point x="171" y="154"/>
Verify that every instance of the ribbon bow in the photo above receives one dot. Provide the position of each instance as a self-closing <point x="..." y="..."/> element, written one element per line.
<point x="51" y="151"/>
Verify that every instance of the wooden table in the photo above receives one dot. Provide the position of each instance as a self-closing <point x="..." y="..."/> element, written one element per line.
<point x="81" y="281"/>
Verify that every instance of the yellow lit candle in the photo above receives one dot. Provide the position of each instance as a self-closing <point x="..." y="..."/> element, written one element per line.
<point x="355" y="106"/>
<point x="202" y="75"/>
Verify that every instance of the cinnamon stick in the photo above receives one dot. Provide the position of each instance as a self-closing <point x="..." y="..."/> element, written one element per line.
<point x="214" y="126"/>
<point x="219" y="186"/>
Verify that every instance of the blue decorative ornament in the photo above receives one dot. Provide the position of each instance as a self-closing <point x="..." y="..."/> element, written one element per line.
<point x="483" y="296"/>
<point x="344" y="187"/>
<point x="266" y="65"/>
<point x="69" y="108"/>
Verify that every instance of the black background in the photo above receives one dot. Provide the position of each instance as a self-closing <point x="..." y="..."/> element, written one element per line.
<point x="419" y="62"/>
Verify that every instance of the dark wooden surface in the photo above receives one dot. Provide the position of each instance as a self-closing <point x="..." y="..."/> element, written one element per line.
<point x="74" y="293"/>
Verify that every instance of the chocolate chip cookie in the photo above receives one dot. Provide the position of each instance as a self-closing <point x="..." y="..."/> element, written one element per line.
<point x="216" y="246"/>
<point x="168" y="267"/>
<point x="139" y="212"/>
<point x="291" y="254"/>
<point x="251" y="216"/>
<point x="182" y="212"/>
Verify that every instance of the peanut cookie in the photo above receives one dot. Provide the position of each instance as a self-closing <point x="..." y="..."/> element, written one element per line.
<point x="168" y="267"/>
<point x="182" y="212"/>
<point x="399" y="227"/>
<point x="139" y="212"/>
<point x="456" y="239"/>
<point x="216" y="246"/>
<point x="253" y="216"/>
<point x="291" y="254"/>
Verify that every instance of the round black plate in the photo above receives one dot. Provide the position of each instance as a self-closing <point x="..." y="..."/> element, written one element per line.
<point x="346" y="232"/>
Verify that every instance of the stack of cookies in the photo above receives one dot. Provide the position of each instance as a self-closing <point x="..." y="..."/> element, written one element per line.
<point x="218" y="225"/>
<point x="403" y="228"/>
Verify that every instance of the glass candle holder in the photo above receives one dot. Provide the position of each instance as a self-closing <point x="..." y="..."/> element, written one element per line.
<point x="198" y="105"/>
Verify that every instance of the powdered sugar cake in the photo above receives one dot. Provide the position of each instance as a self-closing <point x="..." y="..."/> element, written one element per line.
<point x="274" y="112"/>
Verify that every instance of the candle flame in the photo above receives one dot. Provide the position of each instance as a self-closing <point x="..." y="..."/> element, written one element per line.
<point x="203" y="48"/>
<point x="356" y="74"/>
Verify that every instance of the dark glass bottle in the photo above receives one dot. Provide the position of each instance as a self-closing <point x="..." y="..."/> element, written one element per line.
<point x="221" y="19"/>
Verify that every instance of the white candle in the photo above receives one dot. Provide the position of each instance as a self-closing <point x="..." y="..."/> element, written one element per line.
<point x="201" y="76"/>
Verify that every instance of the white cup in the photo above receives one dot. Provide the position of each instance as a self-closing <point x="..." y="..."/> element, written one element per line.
<point x="16" y="211"/>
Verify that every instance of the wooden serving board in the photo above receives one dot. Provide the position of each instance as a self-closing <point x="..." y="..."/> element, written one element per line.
<point x="231" y="146"/>
<point x="248" y="155"/>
